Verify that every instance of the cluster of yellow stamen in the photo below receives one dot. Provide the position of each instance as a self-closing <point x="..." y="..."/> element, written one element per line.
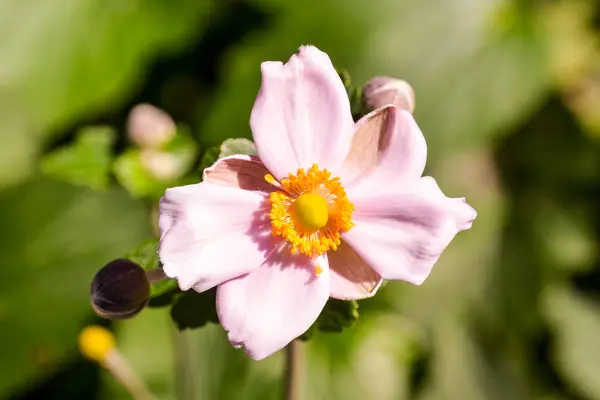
<point x="310" y="211"/>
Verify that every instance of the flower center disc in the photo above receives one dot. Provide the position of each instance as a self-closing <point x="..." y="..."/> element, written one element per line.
<point x="311" y="211"/>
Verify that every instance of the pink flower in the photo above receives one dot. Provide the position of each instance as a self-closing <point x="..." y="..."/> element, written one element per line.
<point x="329" y="208"/>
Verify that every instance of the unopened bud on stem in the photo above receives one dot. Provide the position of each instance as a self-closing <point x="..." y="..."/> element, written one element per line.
<point x="162" y="165"/>
<point x="120" y="290"/>
<point x="98" y="344"/>
<point x="150" y="127"/>
<point x="382" y="90"/>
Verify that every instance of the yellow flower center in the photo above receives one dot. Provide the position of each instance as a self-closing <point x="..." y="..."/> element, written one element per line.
<point x="310" y="211"/>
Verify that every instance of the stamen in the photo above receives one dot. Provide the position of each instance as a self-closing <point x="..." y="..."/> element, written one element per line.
<point x="270" y="179"/>
<point x="323" y="213"/>
<point x="318" y="270"/>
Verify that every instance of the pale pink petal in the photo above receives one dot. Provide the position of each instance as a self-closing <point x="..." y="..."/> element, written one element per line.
<point x="212" y="233"/>
<point x="268" y="308"/>
<point x="402" y="234"/>
<point x="351" y="277"/>
<point x="387" y="146"/>
<point x="301" y="115"/>
<point x="240" y="171"/>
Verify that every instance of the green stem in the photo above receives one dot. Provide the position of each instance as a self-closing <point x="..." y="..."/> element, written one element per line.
<point x="186" y="353"/>
<point x="294" y="366"/>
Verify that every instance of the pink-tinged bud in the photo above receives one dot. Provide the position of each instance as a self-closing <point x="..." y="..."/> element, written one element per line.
<point x="382" y="90"/>
<point x="150" y="127"/>
<point x="162" y="165"/>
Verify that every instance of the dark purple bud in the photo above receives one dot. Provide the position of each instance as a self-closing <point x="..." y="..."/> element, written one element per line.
<point x="120" y="290"/>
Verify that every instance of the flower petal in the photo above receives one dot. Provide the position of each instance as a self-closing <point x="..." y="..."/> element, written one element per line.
<point x="387" y="146"/>
<point x="301" y="115"/>
<point x="402" y="234"/>
<point x="240" y="171"/>
<point x="268" y="308"/>
<point x="351" y="277"/>
<point x="212" y="233"/>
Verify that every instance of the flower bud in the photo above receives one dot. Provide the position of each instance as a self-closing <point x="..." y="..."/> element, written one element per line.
<point x="96" y="343"/>
<point x="382" y="90"/>
<point x="150" y="127"/>
<point x="120" y="290"/>
<point x="161" y="165"/>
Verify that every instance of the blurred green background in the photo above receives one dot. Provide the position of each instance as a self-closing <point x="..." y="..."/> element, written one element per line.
<point x="508" y="97"/>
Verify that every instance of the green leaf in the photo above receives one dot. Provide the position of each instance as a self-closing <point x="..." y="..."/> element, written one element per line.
<point x="575" y="321"/>
<point x="194" y="310"/>
<point x="60" y="236"/>
<point x="210" y="156"/>
<point x="134" y="176"/>
<point x="146" y="255"/>
<point x="86" y="162"/>
<point x="337" y="315"/>
<point x="52" y="76"/>
<point x="237" y="146"/>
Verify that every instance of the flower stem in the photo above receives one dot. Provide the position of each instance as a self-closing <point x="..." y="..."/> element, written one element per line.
<point x="186" y="367"/>
<point x="294" y="366"/>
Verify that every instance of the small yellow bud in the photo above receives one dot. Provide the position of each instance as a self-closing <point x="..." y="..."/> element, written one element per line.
<point x="96" y="342"/>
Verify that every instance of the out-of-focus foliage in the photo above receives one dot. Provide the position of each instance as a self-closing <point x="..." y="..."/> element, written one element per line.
<point x="507" y="94"/>
<point x="60" y="63"/>
<point x="55" y="238"/>
<point x="494" y="72"/>
<point x="149" y="172"/>
<point x="87" y="162"/>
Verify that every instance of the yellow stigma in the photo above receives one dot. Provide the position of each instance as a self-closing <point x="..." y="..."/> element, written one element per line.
<point x="310" y="211"/>
<point x="96" y="342"/>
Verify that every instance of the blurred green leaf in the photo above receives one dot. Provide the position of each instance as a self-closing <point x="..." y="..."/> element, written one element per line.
<point x="86" y="162"/>
<point x="194" y="310"/>
<point x="59" y="237"/>
<point x="66" y="62"/>
<point x="149" y="172"/>
<point x="237" y="146"/>
<point x="575" y="321"/>
<point x="135" y="177"/>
